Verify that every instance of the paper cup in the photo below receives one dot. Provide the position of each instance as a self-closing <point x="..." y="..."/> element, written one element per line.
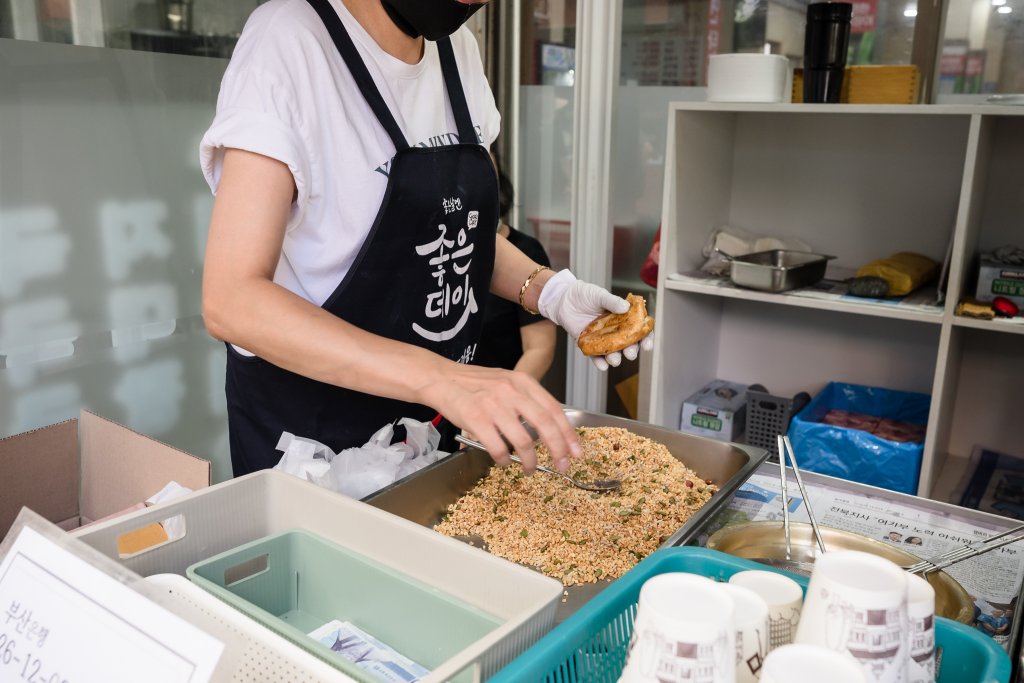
<point x="751" y="623"/>
<point x="784" y="598"/>
<point x="921" y="616"/>
<point x="809" y="664"/>
<point x="683" y="630"/>
<point x="857" y="604"/>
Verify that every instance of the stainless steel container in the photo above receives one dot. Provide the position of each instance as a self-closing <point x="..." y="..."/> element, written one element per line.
<point x="777" y="270"/>
<point x="765" y="542"/>
<point x="424" y="497"/>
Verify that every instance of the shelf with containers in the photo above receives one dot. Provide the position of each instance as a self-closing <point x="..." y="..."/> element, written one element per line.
<point x="860" y="182"/>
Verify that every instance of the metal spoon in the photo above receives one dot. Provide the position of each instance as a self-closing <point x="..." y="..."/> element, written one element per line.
<point x="600" y="485"/>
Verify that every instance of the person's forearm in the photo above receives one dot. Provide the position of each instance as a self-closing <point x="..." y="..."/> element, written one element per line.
<point x="538" y="341"/>
<point x="534" y="363"/>
<point x="511" y="268"/>
<point x="294" y="334"/>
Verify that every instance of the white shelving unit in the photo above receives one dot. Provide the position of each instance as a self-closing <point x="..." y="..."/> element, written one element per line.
<point x="860" y="182"/>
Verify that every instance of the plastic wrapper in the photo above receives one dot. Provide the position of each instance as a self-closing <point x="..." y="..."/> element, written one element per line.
<point x="738" y="242"/>
<point x="358" y="472"/>
<point x="856" y="454"/>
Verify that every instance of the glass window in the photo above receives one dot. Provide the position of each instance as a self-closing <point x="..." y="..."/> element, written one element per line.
<point x="103" y="219"/>
<point x="982" y="49"/>
<point x="544" y="182"/>
<point x="667" y="42"/>
<point x="206" y="29"/>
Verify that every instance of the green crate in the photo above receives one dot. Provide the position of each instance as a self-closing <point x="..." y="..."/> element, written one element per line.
<point x="294" y="582"/>
<point x="591" y="646"/>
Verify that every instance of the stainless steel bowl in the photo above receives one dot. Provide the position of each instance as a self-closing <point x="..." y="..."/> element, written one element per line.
<point x="766" y="542"/>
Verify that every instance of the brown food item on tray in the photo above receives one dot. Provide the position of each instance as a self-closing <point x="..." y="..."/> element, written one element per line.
<point x="573" y="535"/>
<point x="615" y="331"/>
<point x="844" y="418"/>
<point x="902" y="432"/>
<point x="882" y="427"/>
<point x="973" y="308"/>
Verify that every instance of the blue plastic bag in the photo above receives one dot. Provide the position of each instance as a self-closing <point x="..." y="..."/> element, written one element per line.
<point x="854" y="454"/>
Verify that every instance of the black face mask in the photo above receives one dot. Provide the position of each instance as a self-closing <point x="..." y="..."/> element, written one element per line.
<point x="432" y="19"/>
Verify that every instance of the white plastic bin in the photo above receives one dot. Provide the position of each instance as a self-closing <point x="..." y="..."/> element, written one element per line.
<point x="257" y="505"/>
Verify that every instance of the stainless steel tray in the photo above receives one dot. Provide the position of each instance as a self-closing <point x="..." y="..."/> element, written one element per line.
<point x="777" y="270"/>
<point x="424" y="497"/>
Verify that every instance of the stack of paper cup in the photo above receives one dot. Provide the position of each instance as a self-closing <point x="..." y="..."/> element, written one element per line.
<point x="921" y="614"/>
<point x="683" y="630"/>
<point x="784" y="598"/>
<point x="751" y="622"/>
<point x="856" y="604"/>
<point x="809" y="664"/>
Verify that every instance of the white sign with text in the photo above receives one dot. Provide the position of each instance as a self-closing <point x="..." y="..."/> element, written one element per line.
<point x="64" y="621"/>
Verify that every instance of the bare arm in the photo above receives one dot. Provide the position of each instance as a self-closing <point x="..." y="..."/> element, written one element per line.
<point x="538" y="348"/>
<point x="511" y="268"/>
<point x="242" y="305"/>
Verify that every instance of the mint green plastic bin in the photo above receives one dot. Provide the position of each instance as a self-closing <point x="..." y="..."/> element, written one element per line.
<point x="296" y="581"/>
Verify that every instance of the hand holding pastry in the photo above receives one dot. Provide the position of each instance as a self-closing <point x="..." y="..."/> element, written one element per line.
<point x="608" y="327"/>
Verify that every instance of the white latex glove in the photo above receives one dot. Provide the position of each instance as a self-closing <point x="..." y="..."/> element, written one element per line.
<point x="572" y="305"/>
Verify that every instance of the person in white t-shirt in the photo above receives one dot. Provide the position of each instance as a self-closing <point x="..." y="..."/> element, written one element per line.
<point x="352" y="239"/>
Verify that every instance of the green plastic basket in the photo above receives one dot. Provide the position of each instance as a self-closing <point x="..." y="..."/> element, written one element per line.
<point x="591" y="645"/>
<point x="296" y="581"/>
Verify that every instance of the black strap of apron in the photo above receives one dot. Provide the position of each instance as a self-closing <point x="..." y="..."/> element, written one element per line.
<point x="359" y="72"/>
<point x="456" y="95"/>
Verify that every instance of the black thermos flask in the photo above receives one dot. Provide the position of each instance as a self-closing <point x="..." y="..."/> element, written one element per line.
<point x="825" y="43"/>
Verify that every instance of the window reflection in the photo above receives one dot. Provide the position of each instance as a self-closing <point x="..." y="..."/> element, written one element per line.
<point x="544" y="177"/>
<point x="668" y="42"/>
<point x="983" y="48"/>
<point x="207" y="28"/>
<point x="548" y="42"/>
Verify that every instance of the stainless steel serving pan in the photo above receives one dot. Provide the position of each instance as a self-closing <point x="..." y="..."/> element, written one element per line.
<point x="776" y="270"/>
<point x="424" y="497"/>
<point x="765" y="542"/>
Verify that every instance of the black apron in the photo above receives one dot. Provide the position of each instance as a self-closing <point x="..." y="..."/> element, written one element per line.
<point x="421" y="277"/>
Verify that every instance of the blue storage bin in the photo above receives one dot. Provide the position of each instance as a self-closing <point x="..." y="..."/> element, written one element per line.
<point x="854" y="454"/>
<point x="591" y="645"/>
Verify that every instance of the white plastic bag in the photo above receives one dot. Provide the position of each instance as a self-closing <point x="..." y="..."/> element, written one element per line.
<point x="738" y="242"/>
<point x="358" y="472"/>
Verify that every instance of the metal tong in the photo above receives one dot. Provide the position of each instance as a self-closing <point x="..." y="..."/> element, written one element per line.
<point x="924" y="567"/>
<point x="786" y="448"/>
<point x="951" y="557"/>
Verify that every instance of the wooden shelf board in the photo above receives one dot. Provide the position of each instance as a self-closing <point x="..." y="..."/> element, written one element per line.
<point x="840" y="306"/>
<point x="996" y="325"/>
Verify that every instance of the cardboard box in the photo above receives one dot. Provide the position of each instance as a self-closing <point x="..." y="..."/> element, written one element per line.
<point x="78" y="471"/>
<point x="996" y="278"/>
<point x="718" y="410"/>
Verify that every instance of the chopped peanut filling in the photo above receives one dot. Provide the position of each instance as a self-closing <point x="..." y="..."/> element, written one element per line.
<point x="577" y="536"/>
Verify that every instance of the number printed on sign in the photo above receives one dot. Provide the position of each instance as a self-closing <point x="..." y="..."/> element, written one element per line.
<point x="15" y="654"/>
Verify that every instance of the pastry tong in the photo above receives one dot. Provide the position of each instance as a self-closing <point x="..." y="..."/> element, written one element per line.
<point x="786" y="448"/>
<point x="951" y="557"/>
<point x="923" y="567"/>
<point x="599" y="485"/>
